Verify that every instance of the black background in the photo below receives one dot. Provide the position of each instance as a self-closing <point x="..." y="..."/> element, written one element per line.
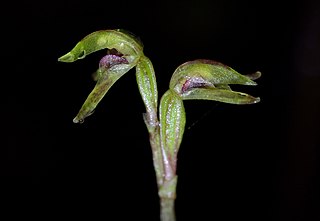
<point x="254" y="162"/>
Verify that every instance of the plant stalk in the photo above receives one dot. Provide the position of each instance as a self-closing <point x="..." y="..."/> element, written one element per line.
<point x="167" y="209"/>
<point x="166" y="177"/>
<point x="154" y="138"/>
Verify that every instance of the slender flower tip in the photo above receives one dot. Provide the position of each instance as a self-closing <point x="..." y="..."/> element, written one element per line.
<point x="77" y="120"/>
<point x="254" y="76"/>
<point x="66" y="58"/>
<point x="256" y="100"/>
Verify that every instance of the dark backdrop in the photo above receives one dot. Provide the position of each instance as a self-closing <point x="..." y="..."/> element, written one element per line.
<point x="255" y="162"/>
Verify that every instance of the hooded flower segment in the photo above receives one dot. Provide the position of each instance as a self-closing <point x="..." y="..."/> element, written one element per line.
<point x="124" y="52"/>
<point x="122" y="41"/>
<point x="209" y="80"/>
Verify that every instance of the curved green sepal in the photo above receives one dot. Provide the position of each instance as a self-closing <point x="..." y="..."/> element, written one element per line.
<point x="222" y="95"/>
<point x="172" y="124"/>
<point x="124" y="43"/>
<point x="107" y="77"/>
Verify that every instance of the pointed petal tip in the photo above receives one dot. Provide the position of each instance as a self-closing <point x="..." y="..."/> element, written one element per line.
<point x="255" y="75"/>
<point x="256" y="100"/>
<point x="66" y="58"/>
<point x="258" y="74"/>
<point x="77" y="120"/>
<point x="252" y="77"/>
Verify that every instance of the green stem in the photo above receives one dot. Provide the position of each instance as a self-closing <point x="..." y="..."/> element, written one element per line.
<point x="167" y="194"/>
<point x="167" y="209"/>
<point x="166" y="179"/>
<point x="154" y="138"/>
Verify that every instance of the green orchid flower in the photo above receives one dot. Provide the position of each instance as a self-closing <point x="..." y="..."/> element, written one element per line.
<point x="210" y="80"/>
<point x="124" y="52"/>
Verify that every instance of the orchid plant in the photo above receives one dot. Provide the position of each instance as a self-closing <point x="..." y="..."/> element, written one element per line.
<point x="198" y="79"/>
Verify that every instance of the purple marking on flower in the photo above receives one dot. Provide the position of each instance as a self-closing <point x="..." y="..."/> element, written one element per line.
<point x="195" y="83"/>
<point x="111" y="60"/>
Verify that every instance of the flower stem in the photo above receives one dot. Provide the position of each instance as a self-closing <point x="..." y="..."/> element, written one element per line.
<point x="154" y="138"/>
<point x="167" y="194"/>
<point x="166" y="178"/>
<point x="167" y="209"/>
